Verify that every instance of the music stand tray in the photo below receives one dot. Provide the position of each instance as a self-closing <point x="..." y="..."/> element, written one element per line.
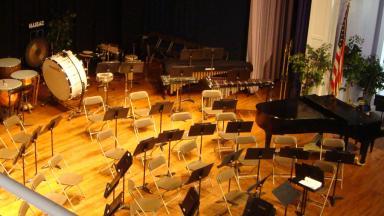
<point x="190" y="203"/>
<point x="259" y="153"/>
<point x="161" y="107"/>
<point x="143" y="147"/>
<point x="115" y="113"/>
<point x="124" y="163"/>
<point x="295" y="153"/>
<point x="224" y="104"/>
<point x="230" y="158"/>
<point x="169" y="136"/>
<point x="239" y="127"/>
<point x="50" y="126"/>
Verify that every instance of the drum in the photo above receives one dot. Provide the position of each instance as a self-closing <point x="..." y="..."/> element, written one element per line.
<point x="104" y="77"/>
<point x="8" y="66"/>
<point x="64" y="75"/>
<point x="25" y="76"/>
<point x="7" y="97"/>
<point x="130" y="58"/>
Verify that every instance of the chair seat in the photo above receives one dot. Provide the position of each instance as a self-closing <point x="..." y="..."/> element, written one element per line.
<point x="312" y="147"/>
<point x="247" y="162"/>
<point x="60" y="199"/>
<point x="8" y="154"/>
<point x="195" y="165"/>
<point x="21" y="137"/>
<point x="236" y="196"/>
<point x="169" y="183"/>
<point x="96" y="118"/>
<point x="142" y="112"/>
<point x="148" y="204"/>
<point x="70" y="179"/>
<point x="227" y="136"/>
<point x="115" y="154"/>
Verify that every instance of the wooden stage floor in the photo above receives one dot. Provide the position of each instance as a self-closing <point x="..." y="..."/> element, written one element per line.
<point x="363" y="189"/>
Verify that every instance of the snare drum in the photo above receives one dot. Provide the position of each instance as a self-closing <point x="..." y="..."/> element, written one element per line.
<point x="8" y="66"/>
<point x="64" y="75"/>
<point x="7" y="97"/>
<point x="130" y="58"/>
<point x="104" y="77"/>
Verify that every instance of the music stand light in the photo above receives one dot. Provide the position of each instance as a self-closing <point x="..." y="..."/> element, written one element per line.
<point x="167" y="137"/>
<point x="201" y="129"/>
<point x="110" y="209"/>
<point x="190" y="203"/>
<point x="198" y="175"/>
<point x="161" y="108"/>
<point x="115" y="113"/>
<point x="50" y="126"/>
<point x="338" y="157"/>
<point x="259" y="154"/>
<point x="143" y="147"/>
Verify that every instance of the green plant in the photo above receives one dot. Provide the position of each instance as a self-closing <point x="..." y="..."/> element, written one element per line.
<point x="60" y="32"/>
<point x="354" y="62"/>
<point x="372" y="77"/>
<point x="312" y="66"/>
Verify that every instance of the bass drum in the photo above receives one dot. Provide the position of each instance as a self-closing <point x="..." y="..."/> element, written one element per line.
<point x="64" y="74"/>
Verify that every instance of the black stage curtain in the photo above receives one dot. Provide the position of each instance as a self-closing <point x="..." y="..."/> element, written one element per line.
<point x="217" y="23"/>
<point x="299" y="33"/>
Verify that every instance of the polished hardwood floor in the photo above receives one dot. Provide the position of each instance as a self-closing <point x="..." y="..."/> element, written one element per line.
<point x="363" y="190"/>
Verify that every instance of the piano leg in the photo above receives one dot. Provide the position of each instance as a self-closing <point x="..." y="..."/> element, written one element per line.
<point x="363" y="151"/>
<point x="268" y="138"/>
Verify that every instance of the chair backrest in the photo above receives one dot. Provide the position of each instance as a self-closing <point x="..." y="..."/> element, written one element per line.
<point x="36" y="180"/>
<point x="333" y="142"/>
<point x="325" y="166"/>
<point x="225" y="175"/>
<point x="93" y="100"/>
<point x="138" y="95"/>
<point x="24" y="206"/>
<point x="105" y="134"/>
<point x="181" y="116"/>
<point x="285" y="140"/>
<point x="246" y="139"/>
<point x="143" y="122"/>
<point x="187" y="147"/>
<point x="211" y="94"/>
<point x="226" y="116"/>
<point x="12" y="121"/>
<point x="156" y="163"/>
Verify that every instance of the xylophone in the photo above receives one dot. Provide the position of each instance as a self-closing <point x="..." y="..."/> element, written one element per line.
<point x="229" y="87"/>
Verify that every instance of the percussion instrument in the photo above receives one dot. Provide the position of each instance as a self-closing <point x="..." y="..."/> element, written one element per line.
<point x="130" y="58"/>
<point x="109" y="51"/>
<point x="28" y="77"/>
<point x="37" y="50"/>
<point x="7" y="96"/>
<point x="64" y="75"/>
<point x="104" y="77"/>
<point x="8" y="66"/>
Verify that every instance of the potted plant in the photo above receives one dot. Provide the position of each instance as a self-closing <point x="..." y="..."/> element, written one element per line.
<point x="60" y="32"/>
<point x="311" y="66"/>
<point x="365" y="72"/>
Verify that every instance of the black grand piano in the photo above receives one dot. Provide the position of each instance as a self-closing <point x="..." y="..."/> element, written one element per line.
<point x="318" y="114"/>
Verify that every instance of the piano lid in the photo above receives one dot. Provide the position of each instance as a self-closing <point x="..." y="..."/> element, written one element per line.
<point x="289" y="109"/>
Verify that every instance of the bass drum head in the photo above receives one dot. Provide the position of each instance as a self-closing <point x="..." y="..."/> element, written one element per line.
<point x="56" y="80"/>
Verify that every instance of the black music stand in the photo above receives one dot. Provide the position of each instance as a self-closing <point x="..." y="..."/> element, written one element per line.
<point x="110" y="187"/>
<point x="258" y="185"/>
<point x="239" y="127"/>
<point x="143" y="147"/>
<point x="21" y="155"/>
<point x="115" y="113"/>
<point x="161" y="107"/>
<point x="198" y="175"/>
<point x="286" y="194"/>
<point x="230" y="158"/>
<point x="259" y="154"/>
<point x="225" y="105"/>
<point x="116" y="204"/>
<point x="50" y="126"/>
<point x="181" y="72"/>
<point x="303" y="171"/>
<point x="293" y="153"/>
<point x="35" y="135"/>
<point x="201" y="129"/>
<point x="191" y="202"/>
<point x="122" y="167"/>
<point x="338" y="157"/>
<point x="259" y="207"/>
<point x="169" y="136"/>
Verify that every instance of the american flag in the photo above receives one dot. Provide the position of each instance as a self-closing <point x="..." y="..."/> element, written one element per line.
<point x="337" y="73"/>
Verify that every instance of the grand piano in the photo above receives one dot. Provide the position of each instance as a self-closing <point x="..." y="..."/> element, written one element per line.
<point x="318" y="114"/>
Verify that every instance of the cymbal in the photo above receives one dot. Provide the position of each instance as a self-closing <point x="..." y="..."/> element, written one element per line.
<point x="36" y="52"/>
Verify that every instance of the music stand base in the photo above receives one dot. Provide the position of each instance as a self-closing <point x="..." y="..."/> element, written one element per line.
<point x="145" y="188"/>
